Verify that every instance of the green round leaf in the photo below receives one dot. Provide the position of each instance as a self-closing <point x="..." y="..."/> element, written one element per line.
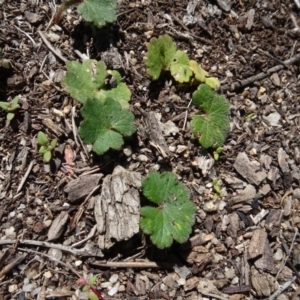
<point x="98" y="12"/>
<point x="160" y="54"/>
<point x="105" y="123"/>
<point x="53" y="144"/>
<point x="42" y="138"/>
<point x="10" y="116"/>
<point x="180" y="68"/>
<point x="47" y="156"/>
<point x="174" y="217"/>
<point x="212" y="128"/>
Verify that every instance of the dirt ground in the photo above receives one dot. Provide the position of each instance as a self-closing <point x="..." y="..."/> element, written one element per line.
<point x="245" y="242"/>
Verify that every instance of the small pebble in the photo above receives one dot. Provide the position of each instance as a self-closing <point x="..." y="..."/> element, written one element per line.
<point x="142" y="157"/>
<point x="114" y="278"/>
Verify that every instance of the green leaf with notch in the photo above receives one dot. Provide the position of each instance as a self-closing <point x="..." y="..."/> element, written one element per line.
<point x="105" y="123"/>
<point x="99" y="12"/>
<point x="175" y="216"/>
<point x="212" y="127"/>
<point x="87" y="81"/>
<point x="180" y="68"/>
<point x="160" y="55"/>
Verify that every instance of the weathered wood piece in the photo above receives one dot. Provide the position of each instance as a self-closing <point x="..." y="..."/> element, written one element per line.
<point x="58" y="226"/>
<point x="53" y="127"/>
<point x="257" y="243"/>
<point x="117" y="208"/>
<point x="82" y="186"/>
<point x="246" y="169"/>
<point x="155" y="134"/>
<point x="264" y="284"/>
<point x="248" y="193"/>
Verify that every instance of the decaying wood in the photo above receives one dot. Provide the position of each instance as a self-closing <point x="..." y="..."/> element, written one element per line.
<point x="263" y="283"/>
<point x="257" y="243"/>
<point x="246" y="169"/>
<point x="53" y="127"/>
<point x="117" y="208"/>
<point x="82" y="186"/>
<point x="154" y="131"/>
<point x="12" y="265"/>
<point x="58" y="226"/>
<point x="273" y="221"/>
<point x="133" y="264"/>
<point x="85" y="251"/>
<point x="248" y="193"/>
<point x="245" y="82"/>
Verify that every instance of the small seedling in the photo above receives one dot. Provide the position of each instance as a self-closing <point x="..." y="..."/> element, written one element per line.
<point x="88" y="81"/>
<point x="10" y="107"/>
<point x="216" y="186"/>
<point x="105" y="123"/>
<point x="211" y="128"/>
<point x="88" y="286"/>
<point x="175" y="215"/>
<point x="98" y="12"/>
<point x="217" y="153"/>
<point x="46" y="146"/>
<point x="163" y="55"/>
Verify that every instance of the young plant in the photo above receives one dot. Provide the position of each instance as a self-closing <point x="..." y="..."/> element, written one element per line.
<point x="98" y="12"/>
<point x="163" y="55"/>
<point x="211" y="128"/>
<point x="217" y="153"/>
<point x="88" y="81"/>
<point x="10" y="107"/>
<point x="88" y="286"/>
<point x="105" y="123"/>
<point x="47" y="146"/>
<point x="175" y="215"/>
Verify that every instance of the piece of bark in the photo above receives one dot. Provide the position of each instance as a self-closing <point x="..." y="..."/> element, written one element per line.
<point x="246" y="194"/>
<point x="58" y="226"/>
<point x="53" y="127"/>
<point x="191" y="283"/>
<point x="296" y="255"/>
<point x="250" y="19"/>
<point x="206" y="287"/>
<point x="204" y="163"/>
<point x="257" y="243"/>
<point x="154" y="131"/>
<point x="264" y="284"/>
<point x="273" y="221"/>
<point x="82" y="186"/>
<point x="117" y="209"/>
<point x="266" y="262"/>
<point x="234" y="225"/>
<point x="244" y="167"/>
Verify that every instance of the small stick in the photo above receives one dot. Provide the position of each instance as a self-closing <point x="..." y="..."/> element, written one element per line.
<point x="288" y="254"/>
<point x="76" y="252"/>
<point x="245" y="82"/>
<point x="133" y="264"/>
<point x="25" y="176"/>
<point x="11" y="265"/>
<point x="31" y="39"/>
<point x="281" y="289"/>
<point x="53" y="259"/>
<point x="50" y="47"/>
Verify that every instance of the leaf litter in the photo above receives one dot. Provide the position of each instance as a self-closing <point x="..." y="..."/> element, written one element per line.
<point x="32" y="193"/>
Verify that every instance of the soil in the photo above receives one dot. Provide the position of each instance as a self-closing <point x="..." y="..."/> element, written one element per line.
<point x="245" y="242"/>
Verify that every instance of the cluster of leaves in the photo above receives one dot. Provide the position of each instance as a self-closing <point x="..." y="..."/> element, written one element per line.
<point x="175" y="215"/>
<point x="213" y="126"/>
<point x="88" y="286"/>
<point x="106" y="118"/>
<point x="98" y="12"/>
<point x="163" y="55"/>
<point x="10" y="108"/>
<point x="47" y="146"/>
